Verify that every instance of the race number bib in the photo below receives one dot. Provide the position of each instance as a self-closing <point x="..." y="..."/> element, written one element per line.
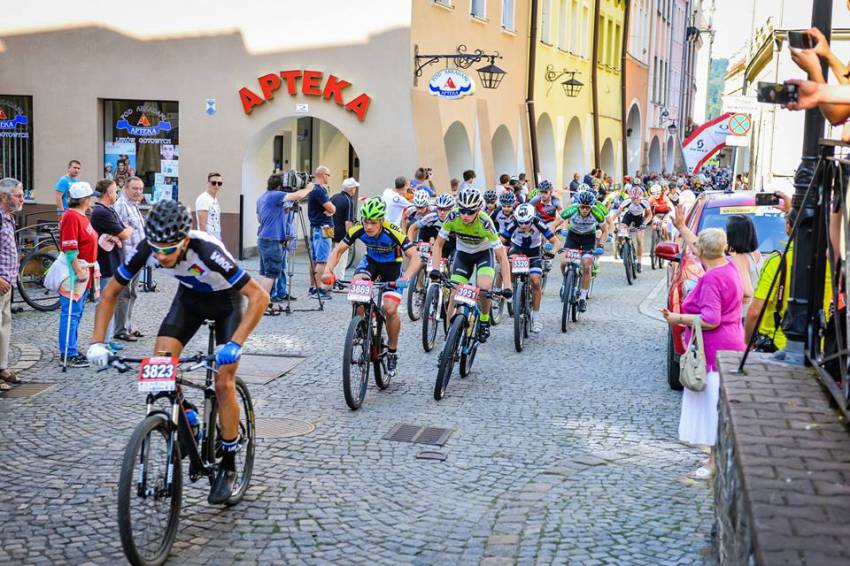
<point x="467" y="295"/>
<point x="520" y="264"/>
<point x="158" y="374"/>
<point x="622" y="231"/>
<point x="424" y="248"/>
<point x="573" y="256"/>
<point x="360" y="291"/>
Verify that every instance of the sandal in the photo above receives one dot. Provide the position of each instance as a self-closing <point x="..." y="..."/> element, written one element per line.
<point x="5" y="386"/>
<point x="273" y="310"/>
<point x="126" y="337"/>
<point x="137" y="334"/>
<point x="702" y="473"/>
<point x="8" y="376"/>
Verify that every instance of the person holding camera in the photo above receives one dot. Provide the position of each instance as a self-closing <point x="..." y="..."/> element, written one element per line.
<point x="320" y="211"/>
<point x="813" y="46"/>
<point x="422" y="180"/>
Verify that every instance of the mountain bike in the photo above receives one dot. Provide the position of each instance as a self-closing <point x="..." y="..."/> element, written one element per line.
<point x="462" y="339"/>
<point x="434" y="310"/>
<point x="366" y="340"/>
<point x="419" y="283"/>
<point x="657" y="238"/>
<point x="571" y="287"/>
<point x="500" y="307"/>
<point x="150" y="486"/>
<point x="627" y="251"/>
<point x="520" y="266"/>
<point x="34" y="266"/>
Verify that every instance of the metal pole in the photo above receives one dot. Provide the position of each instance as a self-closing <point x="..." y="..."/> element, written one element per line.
<point x="796" y="320"/>
<point x="529" y="97"/>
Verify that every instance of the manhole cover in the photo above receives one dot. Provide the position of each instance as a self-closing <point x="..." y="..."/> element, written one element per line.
<point x="274" y="427"/>
<point x="431" y="455"/>
<point x="25" y="390"/>
<point x="418" y="434"/>
<point x="261" y="369"/>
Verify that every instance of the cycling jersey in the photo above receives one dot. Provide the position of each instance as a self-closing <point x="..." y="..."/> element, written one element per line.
<point x="478" y="236"/>
<point x="413" y="213"/>
<point x="389" y="245"/>
<point x="636" y="209"/>
<point x="502" y="221"/>
<point x="584" y="224"/>
<point x="660" y="204"/>
<point x="205" y="265"/>
<point x="614" y="200"/>
<point x="531" y="238"/>
<point x="546" y="211"/>
<point x="430" y="220"/>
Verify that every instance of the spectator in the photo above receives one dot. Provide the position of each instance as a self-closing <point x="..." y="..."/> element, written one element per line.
<point x="504" y="185"/>
<point x="343" y="221"/>
<point x="574" y="184"/>
<point x="422" y="180"/>
<point x="320" y="211"/>
<point x="454" y="187"/>
<point x="743" y="250"/>
<point x="112" y="232"/>
<point x="274" y="232"/>
<point x="11" y="201"/>
<point x="207" y="209"/>
<point x="716" y="300"/>
<point x="64" y="183"/>
<point x="468" y="179"/>
<point x="127" y="208"/>
<point x="523" y="183"/>
<point x="79" y="242"/>
<point x="396" y="201"/>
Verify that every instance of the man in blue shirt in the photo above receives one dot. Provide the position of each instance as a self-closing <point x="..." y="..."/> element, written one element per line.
<point x="63" y="184"/>
<point x="274" y="232"/>
<point x="422" y="180"/>
<point x="320" y="211"/>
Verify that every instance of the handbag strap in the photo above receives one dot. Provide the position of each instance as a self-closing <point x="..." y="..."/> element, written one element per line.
<point x="697" y="334"/>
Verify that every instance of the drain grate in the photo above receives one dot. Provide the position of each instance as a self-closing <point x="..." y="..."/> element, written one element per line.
<point x="283" y="428"/>
<point x="418" y="434"/>
<point x="25" y="390"/>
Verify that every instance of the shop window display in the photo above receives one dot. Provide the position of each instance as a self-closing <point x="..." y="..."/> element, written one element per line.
<point x="16" y="140"/>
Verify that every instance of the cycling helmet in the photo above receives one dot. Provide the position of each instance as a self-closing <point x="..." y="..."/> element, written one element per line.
<point x="445" y="201"/>
<point x="635" y="192"/>
<point x="586" y="198"/>
<point x="421" y="198"/>
<point x="490" y="196"/>
<point x="507" y="199"/>
<point x="534" y="194"/>
<point x="545" y="186"/>
<point x="583" y="187"/>
<point x="373" y="209"/>
<point x="524" y="213"/>
<point x="470" y="197"/>
<point x="167" y="222"/>
<point x="655" y="190"/>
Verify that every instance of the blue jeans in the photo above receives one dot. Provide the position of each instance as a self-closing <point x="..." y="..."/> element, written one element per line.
<point x="321" y="246"/>
<point x="279" y="289"/>
<point x="76" y="313"/>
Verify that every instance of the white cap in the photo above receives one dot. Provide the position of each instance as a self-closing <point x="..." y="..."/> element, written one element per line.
<point x="350" y="183"/>
<point x="80" y="189"/>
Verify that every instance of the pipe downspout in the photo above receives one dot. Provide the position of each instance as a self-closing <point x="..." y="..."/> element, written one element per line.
<point x="529" y="98"/>
<point x="593" y="79"/>
<point x="623" y="102"/>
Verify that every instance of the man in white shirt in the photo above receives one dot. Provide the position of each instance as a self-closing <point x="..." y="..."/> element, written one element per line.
<point x="207" y="209"/>
<point x="396" y="200"/>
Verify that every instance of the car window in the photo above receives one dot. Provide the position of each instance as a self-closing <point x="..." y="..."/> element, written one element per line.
<point x="769" y="223"/>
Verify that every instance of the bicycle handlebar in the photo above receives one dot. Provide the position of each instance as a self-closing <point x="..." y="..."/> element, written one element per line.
<point x="378" y="284"/>
<point x="486" y="294"/>
<point x="120" y="363"/>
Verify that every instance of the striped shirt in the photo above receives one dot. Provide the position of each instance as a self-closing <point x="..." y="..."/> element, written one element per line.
<point x="8" y="248"/>
<point x="129" y="213"/>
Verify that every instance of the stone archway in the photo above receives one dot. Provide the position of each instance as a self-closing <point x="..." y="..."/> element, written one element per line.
<point x="634" y="139"/>
<point x="606" y="158"/>
<point x="546" y="148"/>
<point x="458" y="150"/>
<point x="669" y="155"/>
<point x="655" y="155"/>
<point x="504" y="157"/>
<point x="574" y="159"/>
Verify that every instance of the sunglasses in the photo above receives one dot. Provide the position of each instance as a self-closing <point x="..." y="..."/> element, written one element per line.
<point x="526" y="223"/>
<point x="165" y="250"/>
<point x="216" y="183"/>
<point x="467" y="210"/>
<point x="584" y="207"/>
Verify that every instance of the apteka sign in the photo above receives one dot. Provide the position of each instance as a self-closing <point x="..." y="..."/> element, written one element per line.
<point x="451" y="84"/>
<point x="313" y="83"/>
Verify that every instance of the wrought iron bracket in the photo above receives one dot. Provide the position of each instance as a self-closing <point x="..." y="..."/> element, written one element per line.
<point x="461" y="59"/>
<point x="552" y="75"/>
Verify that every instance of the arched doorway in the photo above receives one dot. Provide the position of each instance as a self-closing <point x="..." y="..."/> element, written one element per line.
<point x="606" y="157"/>
<point x="546" y="148"/>
<point x="504" y="158"/>
<point x="573" y="153"/>
<point x="655" y="155"/>
<point x="299" y="143"/>
<point x="669" y="155"/>
<point x="634" y="139"/>
<point x="458" y="152"/>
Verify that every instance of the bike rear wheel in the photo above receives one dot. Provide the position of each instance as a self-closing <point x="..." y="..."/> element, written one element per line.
<point x="430" y="317"/>
<point x="574" y="295"/>
<point x="356" y="361"/>
<point x="520" y="315"/>
<point x="626" y="254"/>
<point x="31" y="272"/>
<point x="569" y="275"/>
<point x="247" y="441"/>
<point x="448" y="357"/>
<point x="379" y="352"/>
<point x="148" y="511"/>
<point x="654" y="241"/>
<point x="416" y="294"/>
<point x="497" y="305"/>
<point x="467" y="358"/>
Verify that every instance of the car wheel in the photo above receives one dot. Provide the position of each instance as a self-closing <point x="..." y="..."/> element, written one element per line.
<point x="672" y="364"/>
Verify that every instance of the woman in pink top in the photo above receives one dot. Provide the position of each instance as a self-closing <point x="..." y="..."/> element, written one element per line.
<point x="717" y="300"/>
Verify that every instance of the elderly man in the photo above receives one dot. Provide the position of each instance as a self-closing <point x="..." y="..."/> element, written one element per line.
<point x="11" y="201"/>
<point x="343" y="220"/>
<point x="127" y="208"/>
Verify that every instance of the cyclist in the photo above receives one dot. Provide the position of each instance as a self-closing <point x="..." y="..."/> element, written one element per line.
<point x="637" y="214"/>
<point x="507" y="202"/>
<point x="525" y="235"/>
<point x="490" y="204"/>
<point x="419" y="207"/>
<point x="585" y="218"/>
<point x="386" y="245"/>
<point x="211" y="288"/>
<point x="478" y="247"/>
<point x="426" y="228"/>
<point x="546" y="206"/>
<point x="660" y="206"/>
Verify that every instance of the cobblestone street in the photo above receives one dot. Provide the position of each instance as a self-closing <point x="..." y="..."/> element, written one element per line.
<point x="564" y="454"/>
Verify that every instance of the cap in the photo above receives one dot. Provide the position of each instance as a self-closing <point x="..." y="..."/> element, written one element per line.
<point x="350" y="183"/>
<point x="80" y="189"/>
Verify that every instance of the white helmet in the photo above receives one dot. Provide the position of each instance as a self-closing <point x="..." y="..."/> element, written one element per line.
<point x="445" y="201"/>
<point x="470" y="197"/>
<point x="655" y="190"/>
<point x="421" y="198"/>
<point x="524" y="213"/>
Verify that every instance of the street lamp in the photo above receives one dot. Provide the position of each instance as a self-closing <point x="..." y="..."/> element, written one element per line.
<point x="571" y="86"/>
<point x="491" y="75"/>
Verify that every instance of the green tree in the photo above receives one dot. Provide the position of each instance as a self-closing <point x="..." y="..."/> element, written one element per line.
<point x="714" y="104"/>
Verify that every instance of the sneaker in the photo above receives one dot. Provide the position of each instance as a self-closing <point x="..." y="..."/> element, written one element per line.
<point x="312" y="292"/>
<point x="639" y="268"/>
<point x="222" y="487"/>
<point x="537" y="325"/>
<point x="483" y="331"/>
<point x="392" y="363"/>
<point x="114" y="347"/>
<point x="582" y="305"/>
<point x="78" y="361"/>
<point x="340" y="287"/>
<point x="284" y="298"/>
<point x="323" y="294"/>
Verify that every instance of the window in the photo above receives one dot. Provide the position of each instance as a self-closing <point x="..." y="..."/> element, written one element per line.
<point x="601" y="43"/>
<point x="478" y="8"/>
<point x="508" y="15"/>
<point x="448" y="3"/>
<point x="576" y="33"/>
<point x="546" y="22"/>
<point x="585" y="42"/>
<point x="16" y="140"/>
<point x="562" y="25"/>
<point x="141" y="137"/>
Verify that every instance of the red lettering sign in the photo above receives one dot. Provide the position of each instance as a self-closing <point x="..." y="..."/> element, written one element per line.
<point x="311" y="85"/>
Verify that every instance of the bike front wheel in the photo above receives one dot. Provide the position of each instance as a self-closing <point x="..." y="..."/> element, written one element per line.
<point x="416" y="294"/>
<point x="356" y="361"/>
<point x="448" y="357"/>
<point x="247" y="441"/>
<point x="497" y="305"/>
<point x="569" y="283"/>
<point x="520" y="315"/>
<point x="32" y="271"/>
<point x="626" y="254"/>
<point x="430" y="317"/>
<point x="148" y="507"/>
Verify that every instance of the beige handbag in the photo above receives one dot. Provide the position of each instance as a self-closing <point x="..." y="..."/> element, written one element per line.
<point x="692" y="372"/>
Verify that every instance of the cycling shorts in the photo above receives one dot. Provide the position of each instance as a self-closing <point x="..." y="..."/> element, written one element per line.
<point x="190" y="309"/>
<point x="534" y="255"/>
<point x="381" y="271"/>
<point x="584" y="242"/>
<point x="465" y="264"/>
<point x="635" y="220"/>
<point x="428" y="233"/>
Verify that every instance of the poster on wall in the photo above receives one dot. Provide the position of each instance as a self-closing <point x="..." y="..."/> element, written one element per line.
<point x="162" y="192"/>
<point x="119" y="161"/>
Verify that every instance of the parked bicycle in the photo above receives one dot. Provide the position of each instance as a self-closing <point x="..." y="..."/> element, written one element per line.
<point x="150" y="487"/>
<point x="43" y="249"/>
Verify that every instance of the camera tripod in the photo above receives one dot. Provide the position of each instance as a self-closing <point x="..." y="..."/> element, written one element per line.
<point x="290" y="263"/>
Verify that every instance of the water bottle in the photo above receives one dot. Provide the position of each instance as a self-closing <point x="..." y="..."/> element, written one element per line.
<point x="194" y="422"/>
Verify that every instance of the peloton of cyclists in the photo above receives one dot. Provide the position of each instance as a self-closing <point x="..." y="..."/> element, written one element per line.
<point x="637" y="215"/>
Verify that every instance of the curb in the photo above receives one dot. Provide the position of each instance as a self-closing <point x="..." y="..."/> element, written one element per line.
<point x="645" y="306"/>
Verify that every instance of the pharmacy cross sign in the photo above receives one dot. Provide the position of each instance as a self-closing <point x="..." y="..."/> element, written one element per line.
<point x="740" y="124"/>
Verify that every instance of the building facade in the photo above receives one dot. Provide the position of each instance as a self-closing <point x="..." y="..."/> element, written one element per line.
<point x="637" y="85"/>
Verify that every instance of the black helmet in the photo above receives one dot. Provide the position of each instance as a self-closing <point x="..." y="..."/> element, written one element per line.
<point x="168" y="221"/>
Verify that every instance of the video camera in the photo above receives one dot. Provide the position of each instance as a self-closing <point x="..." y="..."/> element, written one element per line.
<point x="292" y="181"/>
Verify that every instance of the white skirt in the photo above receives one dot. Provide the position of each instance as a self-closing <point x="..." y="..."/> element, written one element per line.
<point x="698" y="421"/>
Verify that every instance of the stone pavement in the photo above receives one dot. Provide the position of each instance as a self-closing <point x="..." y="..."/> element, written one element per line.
<point x="566" y="453"/>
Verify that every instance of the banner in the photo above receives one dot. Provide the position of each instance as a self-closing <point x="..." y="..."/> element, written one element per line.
<point x="706" y="140"/>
